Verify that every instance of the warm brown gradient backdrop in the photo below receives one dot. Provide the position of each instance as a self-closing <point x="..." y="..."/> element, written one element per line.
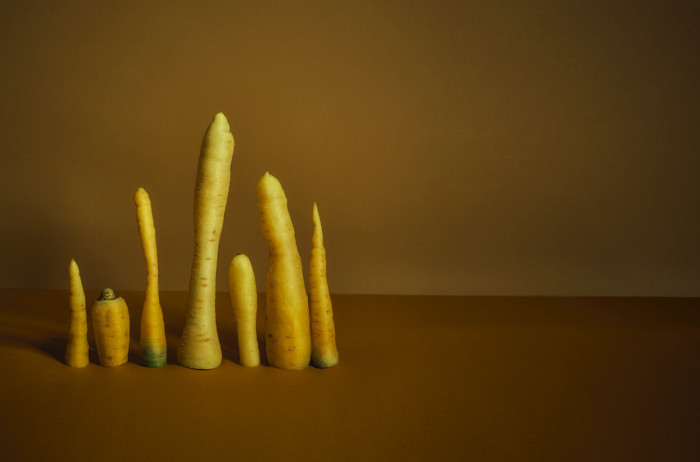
<point x="502" y="148"/>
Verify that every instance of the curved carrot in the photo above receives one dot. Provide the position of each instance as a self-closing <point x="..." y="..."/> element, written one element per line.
<point x="288" y="342"/>
<point x="153" y="347"/>
<point x="77" y="349"/>
<point x="199" y="346"/>
<point x="324" y="352"/>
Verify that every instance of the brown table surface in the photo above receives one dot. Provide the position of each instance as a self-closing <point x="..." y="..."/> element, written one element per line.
<point x="420" y="378"/>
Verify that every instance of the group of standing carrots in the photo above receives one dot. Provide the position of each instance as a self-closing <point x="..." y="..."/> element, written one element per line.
<point x="293" y="338"/>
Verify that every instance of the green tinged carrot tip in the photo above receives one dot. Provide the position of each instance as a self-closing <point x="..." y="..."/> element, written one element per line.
<point x="324" y="362"/>
<point x="151" y="357"/>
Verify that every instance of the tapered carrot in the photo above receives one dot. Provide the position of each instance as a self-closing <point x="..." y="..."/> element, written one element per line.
<point x="77" y="349"/>
<point x="153" y="347"/>
<point x="244" y="299"/>
<point x="110" y="321"/>
<point x="199" y="346"/>
<point x="287" y="342"/>
<point x="324" y="352"/>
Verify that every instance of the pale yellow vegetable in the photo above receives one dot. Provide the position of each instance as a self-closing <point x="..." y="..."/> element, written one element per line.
<point x="153" y="346"/>
<point x="287" y="341"/>
<point x="77" y="349"/>
<point x="110" y="321"/>
<point x="199" y="346"/>
<point x="324" y="352"/>
<point x="244" y="299"/>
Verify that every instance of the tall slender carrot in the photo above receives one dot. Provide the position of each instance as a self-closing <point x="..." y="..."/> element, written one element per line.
<point x="153" y="347"/>
<point x="244" y="299"/>
<point x="288" y="342"/>
<point x="324" y="352"/>
<point x="77" y="348"/>
<point x="199" y="346"/>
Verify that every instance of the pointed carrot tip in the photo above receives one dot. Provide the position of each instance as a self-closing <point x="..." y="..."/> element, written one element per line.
<point x="269" y="181"/>
<point x="141" y="193"/>
<point x="220" y="122"/>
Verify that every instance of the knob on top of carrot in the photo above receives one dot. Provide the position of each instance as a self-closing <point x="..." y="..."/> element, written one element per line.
<point x="199" y="346"/>
<point x="77" y="349"/>
<point x="153" y="345"/>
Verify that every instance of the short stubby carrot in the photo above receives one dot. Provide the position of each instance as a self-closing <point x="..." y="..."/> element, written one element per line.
<point x="244" y="300"/>
<point x="110" y="321"/>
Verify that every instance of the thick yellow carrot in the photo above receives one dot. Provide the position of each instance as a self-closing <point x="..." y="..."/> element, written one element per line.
<point x="287" y="342"/>
<point x="244" y="299"/>
<point x="110" y="321"/>
<point x="153" y="346"/>
<point x="199" y="346"/>
<point x="77" y="349"/>
<point x="324" y="352"/>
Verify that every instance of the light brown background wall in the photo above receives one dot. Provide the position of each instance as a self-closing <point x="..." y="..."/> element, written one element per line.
<point x="453" y="147"/>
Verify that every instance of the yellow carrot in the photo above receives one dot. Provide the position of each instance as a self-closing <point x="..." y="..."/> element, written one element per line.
<point x="324" y="352"/>
<point x="287" y="342"/>
<point x="110" y="321"/>
<point x="244" y="299"/>
<point x="77" y="349"/>
<point x="199" y="346"/>
<point x="153" y="346"/>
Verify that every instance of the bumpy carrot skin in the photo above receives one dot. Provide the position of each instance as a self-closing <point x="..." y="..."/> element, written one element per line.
<point x="324" y="352"/>
<point x="199" y="346"/>
<point x="244" y="299"/>
<point x="153" y="346"/>
<point x="288" y="340"/>
<point x="77" y="350"/>
<point x="110" y="321"/>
